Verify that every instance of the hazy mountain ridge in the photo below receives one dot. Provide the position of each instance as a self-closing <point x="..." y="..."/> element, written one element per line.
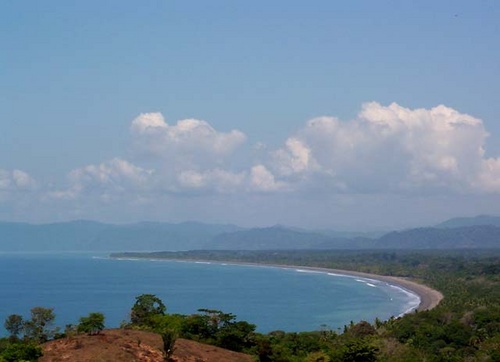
<point x="82" y="235"/>
<point x="261" y="238"/>
<point x="468" y="237"/>
<point x="470" y="221"/>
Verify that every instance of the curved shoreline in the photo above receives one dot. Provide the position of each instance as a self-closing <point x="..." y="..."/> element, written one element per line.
<point x="429" y="298"/>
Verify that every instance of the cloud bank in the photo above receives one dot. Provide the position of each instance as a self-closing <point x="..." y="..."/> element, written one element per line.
<point x="390" y="149"/>
<point x="385" y="150"/>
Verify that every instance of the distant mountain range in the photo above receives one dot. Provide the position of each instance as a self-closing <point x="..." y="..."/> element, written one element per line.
<point x="476" y="232"/>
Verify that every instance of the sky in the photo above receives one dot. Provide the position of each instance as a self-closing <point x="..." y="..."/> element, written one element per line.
<point x="354" y="115"/>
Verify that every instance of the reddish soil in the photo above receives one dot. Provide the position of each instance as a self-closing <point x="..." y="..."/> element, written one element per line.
<point x="123" y="345"/>
<point x="190" y="351"/>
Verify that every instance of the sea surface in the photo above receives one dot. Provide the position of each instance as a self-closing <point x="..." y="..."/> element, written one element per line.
<point x="273" y="298"/>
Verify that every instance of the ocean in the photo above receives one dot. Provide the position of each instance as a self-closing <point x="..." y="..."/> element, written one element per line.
<point x="273" y="298"/>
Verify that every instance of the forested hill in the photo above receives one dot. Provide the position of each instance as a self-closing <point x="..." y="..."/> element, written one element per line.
<point x="149" y="236"/>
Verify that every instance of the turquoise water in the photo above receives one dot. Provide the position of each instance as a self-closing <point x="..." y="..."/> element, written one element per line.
<point x="270" y="297"/>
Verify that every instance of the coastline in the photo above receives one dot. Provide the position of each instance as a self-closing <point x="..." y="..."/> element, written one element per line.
<point x="429" y="298"/>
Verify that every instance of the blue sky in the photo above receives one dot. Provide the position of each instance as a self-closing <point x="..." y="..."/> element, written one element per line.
<point x="92" y="93"/>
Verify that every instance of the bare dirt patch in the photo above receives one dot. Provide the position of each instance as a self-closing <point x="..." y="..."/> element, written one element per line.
<point x="123" y="345"/>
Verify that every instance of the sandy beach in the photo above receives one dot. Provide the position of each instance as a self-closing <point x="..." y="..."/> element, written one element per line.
<point x="429" y="298"/>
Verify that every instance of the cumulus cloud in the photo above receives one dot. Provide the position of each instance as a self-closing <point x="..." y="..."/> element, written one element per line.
<point x="488" y="178"/>
<point x="113" y="172"/>
<point x="16" y="180"/>
<point x="189" y="142"/>
<point x="107" y="179"/>
<point x="385" y="149"/>
<point x="261" y="179"/>
<point x="294" y="158"/>
<point x="16" y="187"/>
<point x="183" y="158"/>
<point x="190" y="155"/>
<point x="390" y="148"/>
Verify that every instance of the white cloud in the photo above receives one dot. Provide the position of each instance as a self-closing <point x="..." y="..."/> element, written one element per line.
<point x="188" y="156"/>
<point x="148" y="123"/>
<point x="107" y="179"/>
<point x="261" y="179"/>
<point x="391" y="149"/>
<point x="295" y="158"/>
<point x="443" y="146"/>
<point x="218" y="180"/>
<point x="111" y="173"/>
<point x="187" y="144"/>
<point x="16" y="188"/>
<point x="16" y="180"/>
<point x="488" y="179"/>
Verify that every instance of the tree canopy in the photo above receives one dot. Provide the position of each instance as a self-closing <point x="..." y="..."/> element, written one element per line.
<point x="146" y="306"/>
<point x="92" y="324"/>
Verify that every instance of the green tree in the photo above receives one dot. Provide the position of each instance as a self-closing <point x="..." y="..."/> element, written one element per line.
<point x="358" y="350"/>
<point x="21" y="351"/>
<point x="92" y="324"/>
<point x="236" y="336"/>
<point x="39" y="327"/>
<point x="217" y="319"/>
<point x="14" y="324"/>
<point x="146" y="306"/>
<point x="318" y="356"/>
<point x="361" y="329"/>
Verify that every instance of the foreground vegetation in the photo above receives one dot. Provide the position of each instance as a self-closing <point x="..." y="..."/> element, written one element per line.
<point x="464" y="327"/>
